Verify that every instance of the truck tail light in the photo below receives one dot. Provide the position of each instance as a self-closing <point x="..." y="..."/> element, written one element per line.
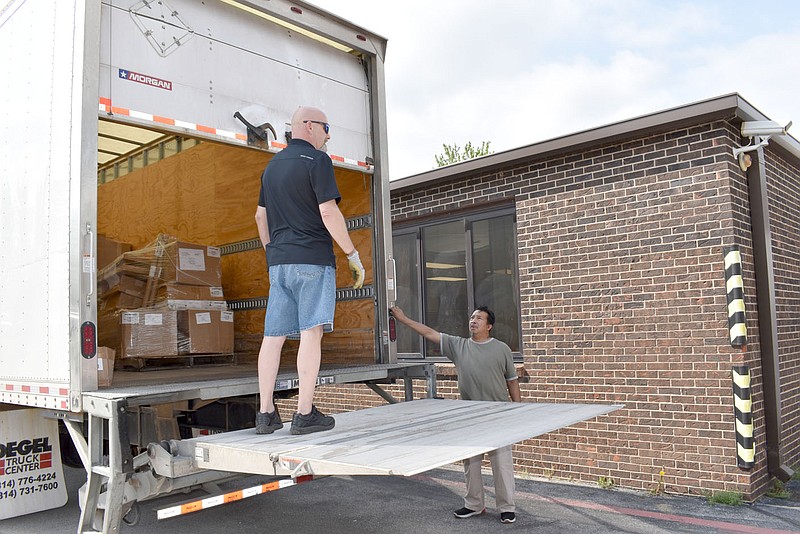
<point x="392" y="329"/>
<point x="88" y="339"/>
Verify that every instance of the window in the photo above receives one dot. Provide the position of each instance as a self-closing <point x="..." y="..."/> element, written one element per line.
<point x="447" y="268"/>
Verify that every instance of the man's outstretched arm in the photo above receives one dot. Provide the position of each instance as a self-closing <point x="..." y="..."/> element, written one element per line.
<point x="425" y="331"/>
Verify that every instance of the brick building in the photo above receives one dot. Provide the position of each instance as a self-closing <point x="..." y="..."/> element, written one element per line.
<point x="605" y="250"/>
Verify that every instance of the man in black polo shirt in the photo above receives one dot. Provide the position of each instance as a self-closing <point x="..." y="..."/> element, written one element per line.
<point x="298" y="219"/>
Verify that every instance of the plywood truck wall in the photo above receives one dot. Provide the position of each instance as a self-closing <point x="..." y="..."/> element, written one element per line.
<point x="208" y="194"/>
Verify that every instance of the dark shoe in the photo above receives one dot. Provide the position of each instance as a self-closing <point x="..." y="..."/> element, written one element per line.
<point x="267" y="423"/>
<point x="508" y="517"/>
<point x="315" y="421"/>
<point x="465" y="512"/>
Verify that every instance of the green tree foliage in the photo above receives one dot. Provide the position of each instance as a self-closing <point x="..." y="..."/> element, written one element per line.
<point x="454" y="154"/>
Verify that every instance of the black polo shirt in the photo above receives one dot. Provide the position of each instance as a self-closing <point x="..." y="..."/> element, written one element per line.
<point x="296" y="181"/>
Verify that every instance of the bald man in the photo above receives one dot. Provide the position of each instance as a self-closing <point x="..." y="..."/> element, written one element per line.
<point x="298" y="219"/>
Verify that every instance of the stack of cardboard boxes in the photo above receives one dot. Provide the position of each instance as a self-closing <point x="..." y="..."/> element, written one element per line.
<point x="164" y="300"/>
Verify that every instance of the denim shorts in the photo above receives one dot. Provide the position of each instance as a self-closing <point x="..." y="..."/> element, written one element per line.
<point x="301" y="297"/>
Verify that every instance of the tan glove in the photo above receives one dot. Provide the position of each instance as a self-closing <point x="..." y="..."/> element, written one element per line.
<point x="354" y="261"/>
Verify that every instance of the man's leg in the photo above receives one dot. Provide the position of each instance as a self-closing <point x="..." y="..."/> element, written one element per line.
<point x="472" y="476"/>
<point x="269" y="359"/>
<point x="503" y="474"/>
<point x="308" y="358"/>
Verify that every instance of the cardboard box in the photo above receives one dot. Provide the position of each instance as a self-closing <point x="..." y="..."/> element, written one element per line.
<point x="205" y="332"/>
<point x="170" y="260"/>
<point x="186" y="297"/>
<point x="105" y="366"/>
<point x="118" y="301"/>
<point x="148" y="332"/>
<point x="108" y="250"/>
<point x="193" y="265"/>
<point x="124" y="283"/>
<point x="161" y="332"/>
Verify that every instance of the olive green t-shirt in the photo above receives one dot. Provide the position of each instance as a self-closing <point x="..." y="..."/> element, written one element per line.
<point x="483" y="368"/>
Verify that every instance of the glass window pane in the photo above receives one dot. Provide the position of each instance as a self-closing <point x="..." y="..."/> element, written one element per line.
<point x="494" y="254"/>
<point x="444" y="251"/>
<point x="407" y="265"/>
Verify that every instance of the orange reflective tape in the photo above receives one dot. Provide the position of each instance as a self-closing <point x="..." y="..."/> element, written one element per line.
<point x="120" y="111"/>
<point x="191" y="507"/>
<point x="164" y="120"/>
<point x="234" y="496"/>
<point x="206" y="129"/>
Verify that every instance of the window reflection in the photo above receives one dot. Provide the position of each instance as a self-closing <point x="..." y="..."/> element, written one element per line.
<point x="494" y="256"/>
<point x="408" y="298"/>
<point x="444" y="253"/>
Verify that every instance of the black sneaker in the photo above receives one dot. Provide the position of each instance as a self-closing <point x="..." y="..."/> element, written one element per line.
<point x="315" y="421"/>
<point x="508" y="517"/>
<point x="465" y="512"/>
<point x="267" y="423"/>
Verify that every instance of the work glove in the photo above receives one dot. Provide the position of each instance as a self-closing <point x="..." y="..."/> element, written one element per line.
<point x="354" y="262"/>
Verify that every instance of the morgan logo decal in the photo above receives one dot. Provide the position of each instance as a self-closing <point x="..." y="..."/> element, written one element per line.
<point x="145" y="79"/>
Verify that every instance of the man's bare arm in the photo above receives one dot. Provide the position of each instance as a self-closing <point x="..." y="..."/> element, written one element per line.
<point x="425" y="331"/>
<point x="261" y="223"/>
<point x="513" y="390"/>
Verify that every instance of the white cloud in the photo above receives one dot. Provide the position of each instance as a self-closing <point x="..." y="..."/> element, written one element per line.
<point x="515" y="73"/>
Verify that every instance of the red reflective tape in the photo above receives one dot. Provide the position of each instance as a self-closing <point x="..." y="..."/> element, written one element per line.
<point x="63" y="392"/>
<point x="9" y="387"/>
<point x="241" y="137"/>
<point x="120" y="111"/>
<point x="26" y="389"/>
<point x="44" y="390"/>
<point x="206" y="129"/>
<point x="105" y="101"/>
<point x="340" y="159"/>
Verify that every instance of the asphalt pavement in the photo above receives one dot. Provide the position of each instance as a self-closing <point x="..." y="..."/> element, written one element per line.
<point x="424" y="504"/>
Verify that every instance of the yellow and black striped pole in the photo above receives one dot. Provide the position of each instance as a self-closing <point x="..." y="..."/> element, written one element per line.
<point x="734" y="286"/>
<point x="743" y="409"/>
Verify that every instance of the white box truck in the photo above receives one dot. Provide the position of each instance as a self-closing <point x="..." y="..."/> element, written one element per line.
<point x="133" y="120"/>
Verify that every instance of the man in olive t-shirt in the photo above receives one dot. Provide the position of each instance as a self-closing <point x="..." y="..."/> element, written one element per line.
<point x="485" y="373"/>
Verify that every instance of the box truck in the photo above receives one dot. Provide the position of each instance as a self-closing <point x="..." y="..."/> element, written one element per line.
<point x="135" y="131"/>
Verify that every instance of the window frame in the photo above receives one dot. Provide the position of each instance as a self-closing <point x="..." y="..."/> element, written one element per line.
<point x="415" y="226"/>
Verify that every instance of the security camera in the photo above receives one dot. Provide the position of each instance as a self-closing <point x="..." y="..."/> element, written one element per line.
<point x="763" y="128"/>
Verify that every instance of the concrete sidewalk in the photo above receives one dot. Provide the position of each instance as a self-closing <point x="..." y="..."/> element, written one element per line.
<point x="424" y="504"/>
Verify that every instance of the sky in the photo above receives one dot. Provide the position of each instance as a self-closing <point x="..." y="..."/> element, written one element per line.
<point x="518" y="72"/>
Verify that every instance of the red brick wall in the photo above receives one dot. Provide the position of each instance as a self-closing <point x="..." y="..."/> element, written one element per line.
<point x="623" y="301"/>
<point x="783" y="183"/>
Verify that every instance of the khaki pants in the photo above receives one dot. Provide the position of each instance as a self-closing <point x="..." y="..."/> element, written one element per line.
<point x="503" y="474"/>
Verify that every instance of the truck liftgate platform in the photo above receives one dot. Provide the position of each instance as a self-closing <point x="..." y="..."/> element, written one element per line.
<point x="117" y="480"/>
<point x="403" y="438"/>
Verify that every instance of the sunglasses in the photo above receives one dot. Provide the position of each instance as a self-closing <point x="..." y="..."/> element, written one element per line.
<point x="325" y="125"/>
